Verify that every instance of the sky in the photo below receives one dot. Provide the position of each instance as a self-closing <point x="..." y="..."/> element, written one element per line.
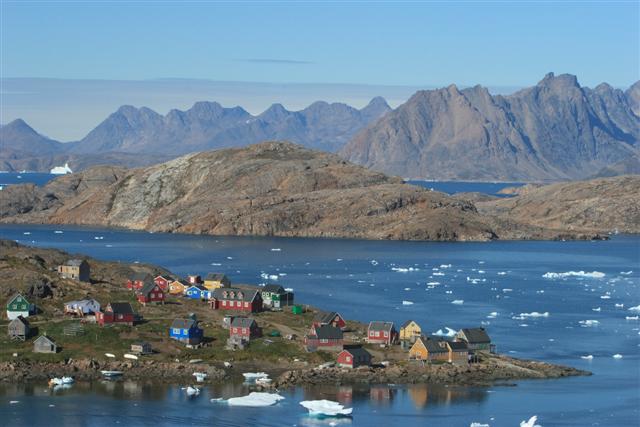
<point x="85" y="59"/>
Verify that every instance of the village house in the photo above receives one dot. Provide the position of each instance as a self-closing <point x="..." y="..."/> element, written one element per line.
<point x="477" y="339"/>
<point x="141" y="347"/>
<point x="19" y="329"/>
<point x="353" y="356"/>
<point x="216" y="280"/>
<point x="244" y="328"/>
<point x="275" y="296"/>
<point x="331" y="318"/>
<point x="382" y="333"/>
<point x="116" y="312"/>
<point x="18" y="306"/>
<point x="410" y="331"/>
<point x="178" y="287"/>
<point x="194" y="279"/>
<point x="244" y="300"/>
<point x="327" y="337"/>
<point x="198" y="292"/>
<point x="76" y="269"/>
<point x="187" y="331"/>
<point x="458" y="352"/>
<point x="163" y="281"/>
<point x="150" y="293"/>
<point x="137" y="281"/>
<point x="82" y="307"/>
<point x="44" y="344"/>
<point x="427" y="349"/>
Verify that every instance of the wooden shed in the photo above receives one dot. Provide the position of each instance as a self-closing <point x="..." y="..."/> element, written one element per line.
<point x="44" y="344"/>
<point x="19" y="329"/>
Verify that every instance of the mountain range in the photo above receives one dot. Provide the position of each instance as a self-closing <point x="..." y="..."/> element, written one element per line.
<point x="555" y="130"/>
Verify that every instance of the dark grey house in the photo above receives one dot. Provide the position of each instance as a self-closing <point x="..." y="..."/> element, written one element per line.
<point x="19" y="329"/>
<point x="477" y="339"/>
<point x="44" y="344"/>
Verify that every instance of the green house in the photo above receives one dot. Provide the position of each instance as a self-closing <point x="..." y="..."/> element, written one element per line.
<point x="18" y="306"/>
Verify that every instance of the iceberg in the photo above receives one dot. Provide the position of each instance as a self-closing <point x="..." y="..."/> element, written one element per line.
<point x="588" y="357"/>
<point x="636" y="309"/>
<point x="588" y="323"/>
<point x="248" y="376"/>
<point x="61" y="170"/>
<point x="446" y="332"/>
<point x="407" y="302"/>
<point x="531" y="422"/>
<point x="617" y="356"/>
<point x="592" y="275"/>
<point x="326" y="408"/>
<point x="534" y="314"/>
<point x="457" y="301"/>
<point x="255" y="399"/>
<point x="475" y="424"/>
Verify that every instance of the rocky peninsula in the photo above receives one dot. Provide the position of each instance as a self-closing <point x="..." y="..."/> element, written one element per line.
<point x="282" y="189"/>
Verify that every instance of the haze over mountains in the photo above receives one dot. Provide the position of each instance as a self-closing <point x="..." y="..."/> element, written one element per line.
<point x="555" y="130"/>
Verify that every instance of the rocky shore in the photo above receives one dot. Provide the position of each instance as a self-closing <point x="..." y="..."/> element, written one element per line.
<point x="488" y="371"/>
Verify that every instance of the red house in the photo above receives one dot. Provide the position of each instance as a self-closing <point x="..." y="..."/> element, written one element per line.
<point x="137" y="281"/>
<point x="244" y="328"/>
<point x="324" y="338"/>
<point x="382" y="333"/>
<point x="116" y="312"/>
<point x="330" y="318"/>
<point x="236" y="299"/>
<point x="150" y="292"/>
<point x="163" y="281"/>
<point x="353" y="356"/>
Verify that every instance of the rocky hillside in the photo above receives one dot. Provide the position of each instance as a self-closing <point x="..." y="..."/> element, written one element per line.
<point x="599" y="205"/>
<point x="278" y="189"/>
<point x="556" y="130"/>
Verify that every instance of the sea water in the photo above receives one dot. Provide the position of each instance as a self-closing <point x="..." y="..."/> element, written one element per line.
<point x="503" y="286"/>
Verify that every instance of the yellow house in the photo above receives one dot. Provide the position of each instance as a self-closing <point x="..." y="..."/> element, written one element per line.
<point x="177" y="287"/>
<point x="216" y="281"/>
<point x="428" y="349"/>
<point x="410" y="331"/>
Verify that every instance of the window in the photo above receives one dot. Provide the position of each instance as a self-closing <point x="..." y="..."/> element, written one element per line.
<point x="176" y="331"/>
<point x="238" y="304"/>
<point x="246" y="304"/>
<point x="348" y="358"/>
<point x="244" y="330"/>
<point x="235" y="330"/>
<point x="377" y="333"/>
<point x="120" y="316"/>
<point x="324" y="341"/>
<point x="386" y="334"/>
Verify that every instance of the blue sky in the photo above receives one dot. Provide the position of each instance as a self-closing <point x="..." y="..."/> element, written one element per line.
<point x="393" y="44"/>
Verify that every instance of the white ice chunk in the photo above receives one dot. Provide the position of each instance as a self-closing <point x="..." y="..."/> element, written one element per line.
<point x="407" y="302"/>
<point x="530" y="423"/>
<point x="256" y="399"/>
<point x="593" y="274"/>
<point x="327" y="408"/>
<point x="457" y="301"/>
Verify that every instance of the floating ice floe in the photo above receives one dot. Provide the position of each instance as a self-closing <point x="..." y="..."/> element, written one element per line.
<point x="473" y="281"/>
<point x="534" y="314"/>
<point x="619" y="305"/>
<point x="267" y="276"/>
<point x="446" y="332"/>
<point x="457" y="301"/>
<point x="592" y="274"/>
<point x="407" y="289"/>
<point x="501" y="273"/>
<point x="404" y="269"/>
<point x="617" y="356"/>
<point x="256" y="399"/>
<point x="326" y="408"/>
<point x="252" y="376"/>
<point x="531" y="422"/>
<point x="433" y="283"/>
<point x="492" y="315"/>
<point x="588" y="323"/>
<point x="605" y="296"/>
<point x="445" y="266"/>
<point x="13" y="402"/>
<point x="275" y="249"/>
<point x="288" y="289"/>
<point x="192" y="391"/>
<point x="438" y="273"/>
<point x="407" y="302"/>
<point x="632" y="317"/>
<point x="636" y="309"/>
<point x="475" y="424"/>
<point x="626" y="273"/>
<point x="587" y="357"/>
<point x="374" y="262"/>
<point x="597" y="309"/>
<point x="58" y="232"/>
<point x="27" y="233"/>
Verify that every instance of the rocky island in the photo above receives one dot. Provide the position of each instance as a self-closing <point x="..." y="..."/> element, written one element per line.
<point x="32" y="272"/>
<point x="283" y="189"/>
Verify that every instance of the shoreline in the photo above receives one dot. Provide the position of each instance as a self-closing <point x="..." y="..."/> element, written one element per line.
<point x="485" y="373"/>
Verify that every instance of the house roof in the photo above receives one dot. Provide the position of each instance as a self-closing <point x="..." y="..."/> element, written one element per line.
<point x="327" y="332"/>
<point x="356" y="350"/>
<point x="407" y="323"/>
<point x="476" y="336"/>
<point x="235" y="294"/>
<point x="182" y="282"/>
<point x="140" y="276"/>
<point x="199" y="287"/>
<point x="121" y="308"/>
<point x="242" y="322"/>
<point x="184" y="323"/>
<point x="20" y="319"/>
<point x="380" y="326"/>
<point x="432" y="345"/>
<point x="166" y="277"/>
<point x="74" y="262"/>
<point x="147" y="288"/>
<point x="458" y="345"/>
<point x="215" y="276"/>
<point x="277" y="289"/>
<point x="45" y="338"/>
<point x="325" y="317"/>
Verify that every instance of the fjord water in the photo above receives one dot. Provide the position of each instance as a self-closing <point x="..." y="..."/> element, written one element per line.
<point x="369" y="280"/>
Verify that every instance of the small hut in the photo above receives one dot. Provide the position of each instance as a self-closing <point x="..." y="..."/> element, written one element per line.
<point x="44" y="344"/>
<point x="19" y="329"/>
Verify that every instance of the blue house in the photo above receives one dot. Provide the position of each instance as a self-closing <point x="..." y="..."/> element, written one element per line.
<point x="198" y="292"/>
<point x="186" y="331"/>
